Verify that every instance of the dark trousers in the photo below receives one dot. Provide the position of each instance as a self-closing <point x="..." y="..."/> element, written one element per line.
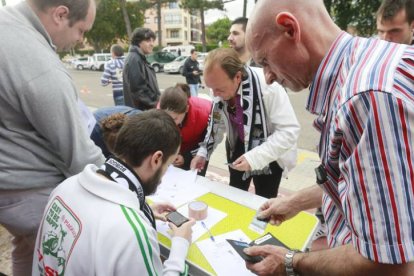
<point x="267" y="185"/>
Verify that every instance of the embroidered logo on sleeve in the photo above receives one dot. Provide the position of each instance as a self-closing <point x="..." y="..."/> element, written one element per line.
<point x="60" y="231"/>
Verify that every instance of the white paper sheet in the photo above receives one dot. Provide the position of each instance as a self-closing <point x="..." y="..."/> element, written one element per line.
<point x="221" y="255"/>
<point x="213" y="217"/>
<point x="178" y="187"/>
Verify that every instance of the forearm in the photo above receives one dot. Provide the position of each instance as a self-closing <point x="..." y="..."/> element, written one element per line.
<point x="344" y="260"/>
<point x="307" y="198"/>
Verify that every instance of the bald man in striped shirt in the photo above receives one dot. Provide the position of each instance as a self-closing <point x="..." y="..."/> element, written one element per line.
<point x="363" y="93"/>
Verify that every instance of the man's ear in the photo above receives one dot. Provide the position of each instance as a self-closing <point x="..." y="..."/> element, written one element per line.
<point x="60" y="14"/>
<point x="156" y="159"/>
<point x="288" y="25"/>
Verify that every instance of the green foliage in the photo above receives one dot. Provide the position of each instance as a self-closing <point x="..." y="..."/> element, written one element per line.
<point x="358" y="13"/>
<point x="109" y="23"/>
<point x="218" y="31"/>
<point x="202" y="5"/>
<point x="199" y="7"/>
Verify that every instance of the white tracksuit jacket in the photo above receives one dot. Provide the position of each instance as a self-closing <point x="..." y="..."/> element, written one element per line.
<point x="93" y="226"/>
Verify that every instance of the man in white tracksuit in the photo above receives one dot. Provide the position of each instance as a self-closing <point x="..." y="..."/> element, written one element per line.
<point x="97" y="222"/>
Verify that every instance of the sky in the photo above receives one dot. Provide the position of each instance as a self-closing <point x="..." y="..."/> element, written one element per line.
<point x="234" y="9"/>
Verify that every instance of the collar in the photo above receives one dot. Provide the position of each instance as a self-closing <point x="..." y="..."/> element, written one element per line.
<point x="34" y="20"/>
<point x="322" y="85"/>
<point x="107" y="189"/>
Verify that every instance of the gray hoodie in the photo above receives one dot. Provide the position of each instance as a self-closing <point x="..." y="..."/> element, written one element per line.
<point x="42" y="137"/>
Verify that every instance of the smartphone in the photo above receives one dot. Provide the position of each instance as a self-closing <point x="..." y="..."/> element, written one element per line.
<point x="239" y="246"/>
<point x="176" y="218"/>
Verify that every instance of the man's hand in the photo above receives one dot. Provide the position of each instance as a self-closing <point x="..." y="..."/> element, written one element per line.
<point x="179" y="161"/>
<point x="241" y="164"/>
<point x="161" y="209"/>
<point x="273" y="262"/>
<point x="184" y="231"/>
<point x="278" y="210"/>
<point x="198" y="163"/>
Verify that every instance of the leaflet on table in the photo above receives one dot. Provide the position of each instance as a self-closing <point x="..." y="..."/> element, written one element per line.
<point x="221" y="255"/>
<point x="214" y="216"/>
<point x="178" y="187"/>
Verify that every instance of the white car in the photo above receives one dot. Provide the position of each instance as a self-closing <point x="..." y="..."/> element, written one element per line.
<point x="200" y="58"/>
<point x="82" y="63"/>
<point x="175" y="66"/>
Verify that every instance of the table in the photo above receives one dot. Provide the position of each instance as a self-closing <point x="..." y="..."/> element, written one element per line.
<point x="241" y="206"/>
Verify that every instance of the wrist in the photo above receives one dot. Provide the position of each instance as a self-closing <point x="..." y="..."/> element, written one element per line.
<point x="290" y="262"/>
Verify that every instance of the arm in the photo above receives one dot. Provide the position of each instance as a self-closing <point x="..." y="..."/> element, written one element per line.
<point x="107" y="75"/>
<point x="214" y="132"/>
<point x="53" y="112"/>
<point x="342" y="260"/>
<point x="281" y="209"/>
<point x="284" y="127"/>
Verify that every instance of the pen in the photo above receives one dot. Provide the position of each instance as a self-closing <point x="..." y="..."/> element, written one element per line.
<point x="205" y="227"/>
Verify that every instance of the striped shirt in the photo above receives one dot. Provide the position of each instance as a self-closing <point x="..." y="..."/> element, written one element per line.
<point x="113" y="74"/>
<point x="363" y="93"/>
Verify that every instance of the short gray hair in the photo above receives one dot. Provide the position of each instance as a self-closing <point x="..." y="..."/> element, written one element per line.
<point x="78" y="9"/>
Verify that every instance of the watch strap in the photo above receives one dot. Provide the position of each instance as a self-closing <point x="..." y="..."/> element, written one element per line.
<point x="289" y="263"/>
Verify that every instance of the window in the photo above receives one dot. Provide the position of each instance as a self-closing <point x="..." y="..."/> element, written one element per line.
<point x="147" y="20"/>
<point x="185" y="35"/>
<point x="155" y="19"/>
<point x="175" y="34"/>
<point x="172" y="19"/>
<point x="173" y="5"/>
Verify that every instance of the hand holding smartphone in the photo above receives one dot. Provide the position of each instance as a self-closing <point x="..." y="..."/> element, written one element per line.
<point x="239" y="246"/>
<point x="176" y="218"/>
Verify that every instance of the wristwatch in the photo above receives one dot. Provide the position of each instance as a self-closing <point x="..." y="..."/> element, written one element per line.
<point x="289" y="263"/>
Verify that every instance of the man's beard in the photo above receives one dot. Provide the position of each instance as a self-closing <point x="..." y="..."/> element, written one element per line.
<point x="150" y="186"/>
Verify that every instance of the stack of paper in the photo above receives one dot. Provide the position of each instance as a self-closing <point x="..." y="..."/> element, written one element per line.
<point x="221" y="255"/>
<point x="178" y="187"/>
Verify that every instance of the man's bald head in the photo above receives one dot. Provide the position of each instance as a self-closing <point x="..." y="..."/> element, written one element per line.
<point x="289" y="38"/>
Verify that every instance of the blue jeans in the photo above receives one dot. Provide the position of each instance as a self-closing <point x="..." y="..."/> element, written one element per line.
<point x="119" y="98"/>
<point x="194" y="89"/>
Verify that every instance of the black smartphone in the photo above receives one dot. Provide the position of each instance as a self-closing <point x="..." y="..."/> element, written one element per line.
<point x="176" y="218"/>
<point x="239" y="246"/>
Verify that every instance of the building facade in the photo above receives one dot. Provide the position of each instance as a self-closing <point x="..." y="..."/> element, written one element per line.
<point x="178" y="26"/>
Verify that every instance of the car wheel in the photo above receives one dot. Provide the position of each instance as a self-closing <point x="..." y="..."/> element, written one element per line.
<point x="79" y="67"/>
<point x="180" y="70"/>
<point x="156" y="68"/>
<point x="101" y="68"/>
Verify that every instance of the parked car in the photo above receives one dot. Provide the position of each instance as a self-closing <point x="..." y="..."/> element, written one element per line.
<point x="99" y="60"/>
<point x="175" y="66"/>
<point x="158" y="59"/>
<point x="200" y="58"/>
<point x="82" y="63"/>
<point x="184" y="50"/>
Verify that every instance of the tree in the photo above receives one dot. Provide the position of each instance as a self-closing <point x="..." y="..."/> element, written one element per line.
<point x="200" y="6"/>
<point x="360" y="14"/>
<point x="110" y="23"/>
<point x="219" y="30"/>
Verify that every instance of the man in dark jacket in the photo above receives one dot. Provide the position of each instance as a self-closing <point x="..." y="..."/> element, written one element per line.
<point x="140" y="81"/>
<point x="192" y="73"/>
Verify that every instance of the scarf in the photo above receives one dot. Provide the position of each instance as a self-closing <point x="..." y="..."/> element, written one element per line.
<point x="117" y="171"/>
<point x="255" y="124"/>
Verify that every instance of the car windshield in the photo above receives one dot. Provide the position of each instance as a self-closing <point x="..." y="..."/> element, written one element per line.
<point x="180" y="58"/>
